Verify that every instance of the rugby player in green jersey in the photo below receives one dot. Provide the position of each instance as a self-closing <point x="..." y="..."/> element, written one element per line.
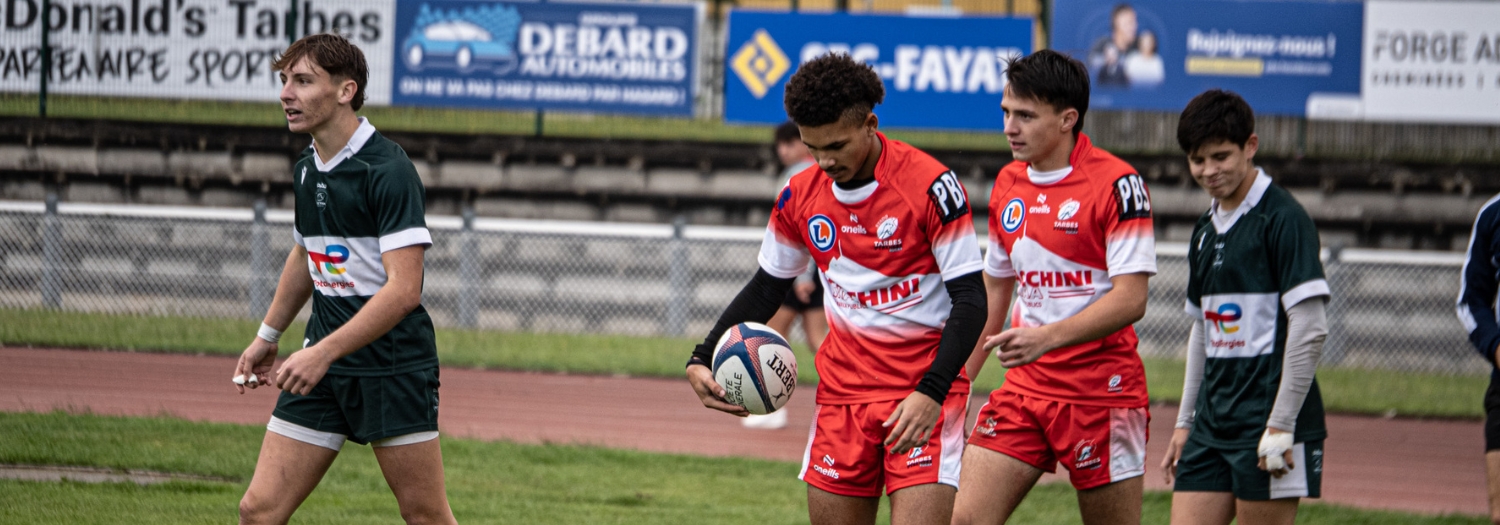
<point x="1248" y="442"/>
<point x="367" y="371"/>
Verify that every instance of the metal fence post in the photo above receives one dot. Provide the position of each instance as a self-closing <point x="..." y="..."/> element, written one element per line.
<point x="679" y="289"/>
<point x="51" y="254"/>
<point x="468" y="272"/>
<point x="1333" y="346"/>
<point x="262" y="288"/>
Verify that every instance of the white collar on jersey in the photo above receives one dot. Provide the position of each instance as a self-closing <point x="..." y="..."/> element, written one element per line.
<point x="361" y="135"/>
<point x="1224" y="220"/>
<point x="855" y="195"/>
<point x="1042" y="178"/>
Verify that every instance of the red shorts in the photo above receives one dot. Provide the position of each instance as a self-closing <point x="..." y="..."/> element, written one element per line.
<point x="1098" y="445"/>
<point x="846" y="454"/>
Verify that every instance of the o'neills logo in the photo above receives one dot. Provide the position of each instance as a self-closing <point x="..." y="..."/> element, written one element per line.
<point x="826" y="471"/>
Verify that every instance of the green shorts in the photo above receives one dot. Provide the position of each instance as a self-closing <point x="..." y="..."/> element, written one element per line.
<point x="1204" y="468"/>
<point x="366" y="409"/>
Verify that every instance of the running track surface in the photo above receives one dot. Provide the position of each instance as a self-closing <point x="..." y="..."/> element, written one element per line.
<point x="1412" y="465"/>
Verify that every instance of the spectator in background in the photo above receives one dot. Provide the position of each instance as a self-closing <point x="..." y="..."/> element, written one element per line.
<point x="1107" y="56"/>
<point x="806" y="298"/>
<point x="1144" y="67"/>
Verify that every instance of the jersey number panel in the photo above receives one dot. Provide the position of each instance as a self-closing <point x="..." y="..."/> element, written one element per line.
<point x="948" y="195"/>
<point x="1135" y="202"/>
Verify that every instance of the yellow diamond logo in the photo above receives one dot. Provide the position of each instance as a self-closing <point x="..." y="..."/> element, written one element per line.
<point x="760" y="63"/>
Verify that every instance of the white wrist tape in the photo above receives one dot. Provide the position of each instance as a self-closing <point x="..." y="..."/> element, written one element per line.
<point x="1273" y="447"/>
<point x="271" y="335"/>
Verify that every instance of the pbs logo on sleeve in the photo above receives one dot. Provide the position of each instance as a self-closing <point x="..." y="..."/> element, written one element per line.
<point x="756" y="367"/>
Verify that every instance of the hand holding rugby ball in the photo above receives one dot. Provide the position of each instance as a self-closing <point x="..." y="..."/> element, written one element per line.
<point x="756" y="367"/>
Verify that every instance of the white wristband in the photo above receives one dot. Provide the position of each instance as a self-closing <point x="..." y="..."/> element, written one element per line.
<point x="271" y="335"/>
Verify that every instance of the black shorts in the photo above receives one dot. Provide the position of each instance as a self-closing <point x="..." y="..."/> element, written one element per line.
<point x="1492" y="416"/>
<point x="1204" y="468"/>
<point x="816" y="301"/>
<point x="366" y="409"/>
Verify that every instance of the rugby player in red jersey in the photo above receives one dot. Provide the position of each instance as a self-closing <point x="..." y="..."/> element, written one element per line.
<point x="1070" y="234"/>
<point x="890" y="231"/>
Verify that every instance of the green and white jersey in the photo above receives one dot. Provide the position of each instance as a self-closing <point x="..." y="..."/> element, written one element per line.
<point x="1247" y="269"/>
<point x="365" y="201"/>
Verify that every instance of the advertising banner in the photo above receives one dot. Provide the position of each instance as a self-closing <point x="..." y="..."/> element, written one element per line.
<point x="605" y="57"/>
<point x="197" y="49"/>
<point x="1428" y="62"/>
<point x="939" y="73"/>
<point x="1159" y="54"/>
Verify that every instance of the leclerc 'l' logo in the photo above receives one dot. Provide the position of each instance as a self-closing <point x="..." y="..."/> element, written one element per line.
<point x="1012" y="216"/>
<point x="1222" y="319"/>
<point x="329" y="262"/>
<point x="760" y="63"/>
<point x="820" y="230"/>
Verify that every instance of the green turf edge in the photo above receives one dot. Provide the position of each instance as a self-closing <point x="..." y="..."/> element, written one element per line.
<point x="487" y="482"/>
<point x="1353" y="391"/>
<point x="462" y="121"/>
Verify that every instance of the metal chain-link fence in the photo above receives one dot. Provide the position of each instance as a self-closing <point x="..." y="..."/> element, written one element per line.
<point x="1390" y="310"/>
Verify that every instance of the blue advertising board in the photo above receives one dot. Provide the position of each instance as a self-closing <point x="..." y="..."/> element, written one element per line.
<point x="1159" y="54"/>
<point x="603" y="57"/>
<point x="939" y="73"/>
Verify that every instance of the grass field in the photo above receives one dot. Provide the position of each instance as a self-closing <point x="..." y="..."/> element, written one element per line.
<point x="488" y="482"/>
<point x="439" y="120"/>
<point x="1344" y="390"/>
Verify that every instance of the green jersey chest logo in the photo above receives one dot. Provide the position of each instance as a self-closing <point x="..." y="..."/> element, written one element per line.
<point x="320" y="196"/>
<point x="1224" y="319"/>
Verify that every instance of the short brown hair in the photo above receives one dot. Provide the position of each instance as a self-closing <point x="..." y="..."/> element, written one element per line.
<point x="335" y="55"/>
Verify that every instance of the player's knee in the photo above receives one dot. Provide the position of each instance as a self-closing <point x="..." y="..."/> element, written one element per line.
<point x="425" y="514"/>
<point x="254" y="510"/>
<point x="1495" y="517"/>
<point x="965" y="515"/>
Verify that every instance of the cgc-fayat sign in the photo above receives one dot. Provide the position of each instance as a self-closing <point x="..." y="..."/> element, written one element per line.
<point x="940" y="73"/>
<point x="203" y="49"/>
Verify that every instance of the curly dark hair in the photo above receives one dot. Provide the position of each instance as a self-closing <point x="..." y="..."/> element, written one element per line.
<point x="1059" y="80"/>
<point x="1213" y="116"/>
<point x="831" y="87"/>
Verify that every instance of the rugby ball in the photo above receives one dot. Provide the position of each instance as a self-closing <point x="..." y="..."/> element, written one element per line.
<point x="756" y="367"/>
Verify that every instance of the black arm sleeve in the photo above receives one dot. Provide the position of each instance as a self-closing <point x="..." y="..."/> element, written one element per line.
<point x="965" y="323"/>
<point x="757" y="301"/>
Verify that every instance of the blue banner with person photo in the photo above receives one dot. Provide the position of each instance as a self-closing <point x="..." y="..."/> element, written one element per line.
<point x="600" y="57"/>
<point x="1159" y="54"/>
<point x="939" y="72"/>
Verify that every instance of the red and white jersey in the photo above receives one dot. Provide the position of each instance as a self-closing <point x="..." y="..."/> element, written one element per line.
<point x="1062" y="235"/>
<point x="884" y="251"/>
